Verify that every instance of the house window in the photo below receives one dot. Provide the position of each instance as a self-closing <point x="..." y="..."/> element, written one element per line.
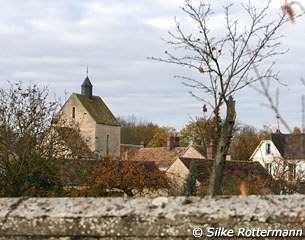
<point x="268" y="148"/>
<point x="292" y="174"/>
<point x="107" y="145"/>
<point x="268" y="167"/>
<point x="73" y="112"/>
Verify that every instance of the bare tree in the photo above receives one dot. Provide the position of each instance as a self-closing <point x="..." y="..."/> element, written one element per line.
<point x="225" y="63"/>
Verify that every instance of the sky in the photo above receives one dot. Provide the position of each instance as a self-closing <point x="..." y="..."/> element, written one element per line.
<point x="51" y="42"/>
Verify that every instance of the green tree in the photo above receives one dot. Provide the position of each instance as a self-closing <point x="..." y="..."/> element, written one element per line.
<point x="160" y="137"/>
<point x="134" y="131"/>
<point x="199" y="131"/>
<point x="25" y="158"/>
<point x="189" y="187"/>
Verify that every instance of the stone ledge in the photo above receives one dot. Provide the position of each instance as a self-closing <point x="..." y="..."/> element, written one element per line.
<point x="150" y="218"/>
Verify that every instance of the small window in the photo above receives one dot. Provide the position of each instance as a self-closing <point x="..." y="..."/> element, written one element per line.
<point x="73" y="112"/>
<point x="268" y="167"/>
<point x="107" y="145"/>
<point x="268" y="148"/>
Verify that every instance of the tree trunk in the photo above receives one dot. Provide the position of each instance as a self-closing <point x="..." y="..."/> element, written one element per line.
<point x="222" y="149"/>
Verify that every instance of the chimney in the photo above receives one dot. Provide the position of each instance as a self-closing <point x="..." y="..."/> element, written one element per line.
<point x="170" y="143"/>
<point x="210" y="149"/>
<point x="173" y="142"/>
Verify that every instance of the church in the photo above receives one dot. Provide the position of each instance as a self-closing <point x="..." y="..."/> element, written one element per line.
<point x="95" y="123"/>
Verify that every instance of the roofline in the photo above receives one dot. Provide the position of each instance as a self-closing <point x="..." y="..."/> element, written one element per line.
<point x="258" y="146"/>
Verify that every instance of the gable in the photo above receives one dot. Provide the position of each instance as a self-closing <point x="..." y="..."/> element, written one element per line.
<point x="288" y="146"/>
<point x="192" y="152"/>
<point x="261" y="151"/>
<point x="98" y="110"/>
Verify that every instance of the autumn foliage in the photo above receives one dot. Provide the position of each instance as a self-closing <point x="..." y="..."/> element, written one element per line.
<point x="114" y="177"/>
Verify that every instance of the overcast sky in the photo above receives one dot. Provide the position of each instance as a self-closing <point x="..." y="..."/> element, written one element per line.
<point x="51" y="42"/>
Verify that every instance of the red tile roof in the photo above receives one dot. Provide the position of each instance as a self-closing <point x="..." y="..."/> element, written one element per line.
<point x="160" y="155"/>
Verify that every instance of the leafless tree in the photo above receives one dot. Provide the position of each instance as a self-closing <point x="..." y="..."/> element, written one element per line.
<point x="224" y="61"/>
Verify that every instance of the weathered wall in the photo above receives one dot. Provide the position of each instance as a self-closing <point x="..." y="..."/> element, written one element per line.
<point x="145" y="218"/>
<point x="82" y="120"/>
<point x="114" y="133"/>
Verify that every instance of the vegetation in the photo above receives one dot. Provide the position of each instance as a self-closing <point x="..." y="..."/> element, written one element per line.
<point x="161" y="136"/>
<point x="129" y="177"/>
<point x="25" y="158"/>
<point x="223" y="64"/>
<point x="189" y="187"/>
<point x="134" y="131"/>
<point x="245" y="141"/>
<point x="198" y="131"/>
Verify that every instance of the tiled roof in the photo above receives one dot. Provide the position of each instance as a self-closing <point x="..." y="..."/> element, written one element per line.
<point x="98" y="110"/>
<point x="160" y="155"/>
<point x="233" y="169"/>
<point x="204" y="167"/>
<point x="291" y="146"/>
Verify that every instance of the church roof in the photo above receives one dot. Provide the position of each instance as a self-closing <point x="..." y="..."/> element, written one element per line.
<point x="98" y="110"/>
<point x="86" y="83"/>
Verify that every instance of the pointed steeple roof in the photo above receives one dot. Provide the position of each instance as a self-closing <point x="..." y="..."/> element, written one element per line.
<point x="87" y="88"/>
<point x="86" y="82"/>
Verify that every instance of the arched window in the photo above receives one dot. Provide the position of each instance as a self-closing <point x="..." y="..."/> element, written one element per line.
<point x="73" y="112"/>
<point x="107" y="145"/>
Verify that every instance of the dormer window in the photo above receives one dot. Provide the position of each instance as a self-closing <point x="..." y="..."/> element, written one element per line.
<point x="268" y="148"/>
<point x="73" y="112"/>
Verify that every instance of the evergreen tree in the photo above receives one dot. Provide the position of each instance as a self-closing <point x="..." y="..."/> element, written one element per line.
<point x="189" y="187"/>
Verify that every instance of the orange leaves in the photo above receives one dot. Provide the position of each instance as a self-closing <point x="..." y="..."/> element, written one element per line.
<point x="244" y="188"/>
<point x="127" y="176"/>
<point x="288" y="9"/>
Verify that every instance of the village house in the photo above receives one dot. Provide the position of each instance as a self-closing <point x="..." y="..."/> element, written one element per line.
<point x="165" y="156"/>
<point x="282" y="155"/>
<point x="92" y="119"/>
<point x="257" y="179"/>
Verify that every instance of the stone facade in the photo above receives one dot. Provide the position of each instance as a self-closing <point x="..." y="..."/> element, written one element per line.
<point x="148" y="218"/>
<point x="97" y="126"/>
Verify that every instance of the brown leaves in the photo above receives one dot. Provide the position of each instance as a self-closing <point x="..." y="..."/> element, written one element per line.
<point x="204" y="108"/>
<point x="288" y="9"/>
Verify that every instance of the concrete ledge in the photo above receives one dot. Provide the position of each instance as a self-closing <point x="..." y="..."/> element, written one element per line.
<point x="138" y="218"/>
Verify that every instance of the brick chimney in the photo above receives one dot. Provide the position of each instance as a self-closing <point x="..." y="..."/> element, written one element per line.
<point x="173" y="142"/>
<point x="210" y="149"/>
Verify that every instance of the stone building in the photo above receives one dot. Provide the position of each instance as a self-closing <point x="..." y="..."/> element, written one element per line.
<point x="90" y="116"/>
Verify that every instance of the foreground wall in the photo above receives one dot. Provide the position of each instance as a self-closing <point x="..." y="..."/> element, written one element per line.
<point x="151" y="218"/>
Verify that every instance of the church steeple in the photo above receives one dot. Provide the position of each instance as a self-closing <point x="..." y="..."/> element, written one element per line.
<point x="87" y="87"/>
